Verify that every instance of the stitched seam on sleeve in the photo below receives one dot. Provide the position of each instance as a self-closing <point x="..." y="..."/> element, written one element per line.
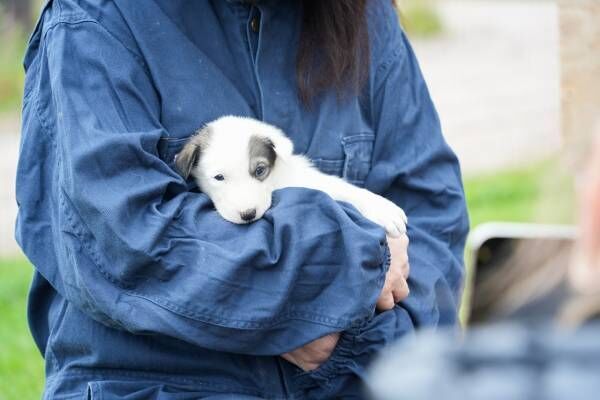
<point x="386" y="67"/>
<point x="81" y="231"/>
<point x="232" y="323"/>
<point x="381" y="68"/>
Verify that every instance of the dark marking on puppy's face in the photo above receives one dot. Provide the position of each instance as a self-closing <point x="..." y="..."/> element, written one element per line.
<point x="188" y="157"/>
<point x="261" y="156"/>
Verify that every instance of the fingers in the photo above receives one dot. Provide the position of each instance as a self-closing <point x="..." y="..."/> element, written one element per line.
<point x="389" y="299"/>
<point x="289" y="357"/>
<point x="398" y="244"/>
<point x="386" y="301"/>
<point x="405" y="241"/>
<point x="295" y="357"/>
<point x="405" y="270"/>
<point x="396" y="287"/>
<point x="399" y="253"/>
<point x="313" y="354"/>
<point x="386" y="298"/>
<point x="300" y="359"/>
<point x="323" y="347"/>
<point x="395" y="290"/>
<point x="330" y="341"/>
<point x="401" y="291"/>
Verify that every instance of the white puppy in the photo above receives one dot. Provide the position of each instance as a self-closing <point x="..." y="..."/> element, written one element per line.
<point x="238" y="162"/>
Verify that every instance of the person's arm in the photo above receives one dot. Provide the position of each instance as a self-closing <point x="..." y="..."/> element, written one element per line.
<point x="413" y="167"/>
<point x="137" y="251"/>
<point x="310" y="356"/>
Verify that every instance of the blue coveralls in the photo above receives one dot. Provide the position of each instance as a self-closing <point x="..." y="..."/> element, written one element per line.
<point x="141" y="290"/>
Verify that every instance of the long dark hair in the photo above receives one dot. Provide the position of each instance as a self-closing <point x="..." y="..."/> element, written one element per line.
<point x="333" y="52"/>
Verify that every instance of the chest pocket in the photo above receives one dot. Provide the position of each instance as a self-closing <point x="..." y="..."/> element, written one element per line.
<point x="168" y="147"/>
<point x="353" y="167"/>
<point x="358" y="150"/>
<point x="356" y="164"/>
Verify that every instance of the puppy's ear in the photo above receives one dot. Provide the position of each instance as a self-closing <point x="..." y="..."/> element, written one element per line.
<point x="282" y="145"/>
<point x="188" y="157"/>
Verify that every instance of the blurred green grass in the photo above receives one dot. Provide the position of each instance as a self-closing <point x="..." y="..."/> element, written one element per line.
<point x="21" y="369"/>
<point x="12" y="48"/>
<point x="539" y="193"/>
<point x="420" y="18"/>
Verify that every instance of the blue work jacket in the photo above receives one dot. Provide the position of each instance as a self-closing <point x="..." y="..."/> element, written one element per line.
<point x="141" y="290"/>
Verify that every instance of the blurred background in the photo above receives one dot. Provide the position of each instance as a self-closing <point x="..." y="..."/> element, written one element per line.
<point x="494" y="70"/>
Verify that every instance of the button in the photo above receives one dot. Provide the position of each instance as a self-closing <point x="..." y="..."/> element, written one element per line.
<point x="255" y="24"/>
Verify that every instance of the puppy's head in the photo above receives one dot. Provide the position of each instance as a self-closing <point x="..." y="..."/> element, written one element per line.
<point x="233" y="160"/>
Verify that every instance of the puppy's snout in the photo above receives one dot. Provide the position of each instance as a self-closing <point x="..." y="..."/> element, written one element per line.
<point x="248" y="215"/>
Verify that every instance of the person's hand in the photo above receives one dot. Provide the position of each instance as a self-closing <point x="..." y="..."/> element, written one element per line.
<point x="590" y="207"/>
<point x="395" y="288"/>
<point x="585" y="269"/>
<point x="312" y="355"/>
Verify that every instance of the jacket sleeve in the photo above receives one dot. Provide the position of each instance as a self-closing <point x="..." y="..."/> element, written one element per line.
<point x="140" y="252"/>
<point x="414" y="167"/>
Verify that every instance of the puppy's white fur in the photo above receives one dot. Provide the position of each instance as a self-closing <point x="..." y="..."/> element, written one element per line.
<point x="224" y="154"/>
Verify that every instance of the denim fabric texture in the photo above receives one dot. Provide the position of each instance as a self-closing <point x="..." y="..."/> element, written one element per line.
<point x="141" y="290"/>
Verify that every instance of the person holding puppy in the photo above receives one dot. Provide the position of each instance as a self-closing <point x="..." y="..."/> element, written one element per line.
<point x="141" y="290"/>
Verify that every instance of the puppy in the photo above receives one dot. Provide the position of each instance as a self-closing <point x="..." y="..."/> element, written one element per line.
<point x="238" y="162"/>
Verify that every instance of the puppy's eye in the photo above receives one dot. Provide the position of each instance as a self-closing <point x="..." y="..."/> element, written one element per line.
<point x="260" y="171"/>
<point x="219" y="177"/>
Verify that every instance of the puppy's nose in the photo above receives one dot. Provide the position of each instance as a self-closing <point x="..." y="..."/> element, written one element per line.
<point x="248" y="215"/>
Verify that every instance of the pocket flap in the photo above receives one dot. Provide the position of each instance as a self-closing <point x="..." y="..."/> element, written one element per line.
<point x="358" y="150"/>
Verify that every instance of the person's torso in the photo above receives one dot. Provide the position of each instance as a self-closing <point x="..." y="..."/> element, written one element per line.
<point x="206" y="59"/>
<point x="213" y="58"/>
